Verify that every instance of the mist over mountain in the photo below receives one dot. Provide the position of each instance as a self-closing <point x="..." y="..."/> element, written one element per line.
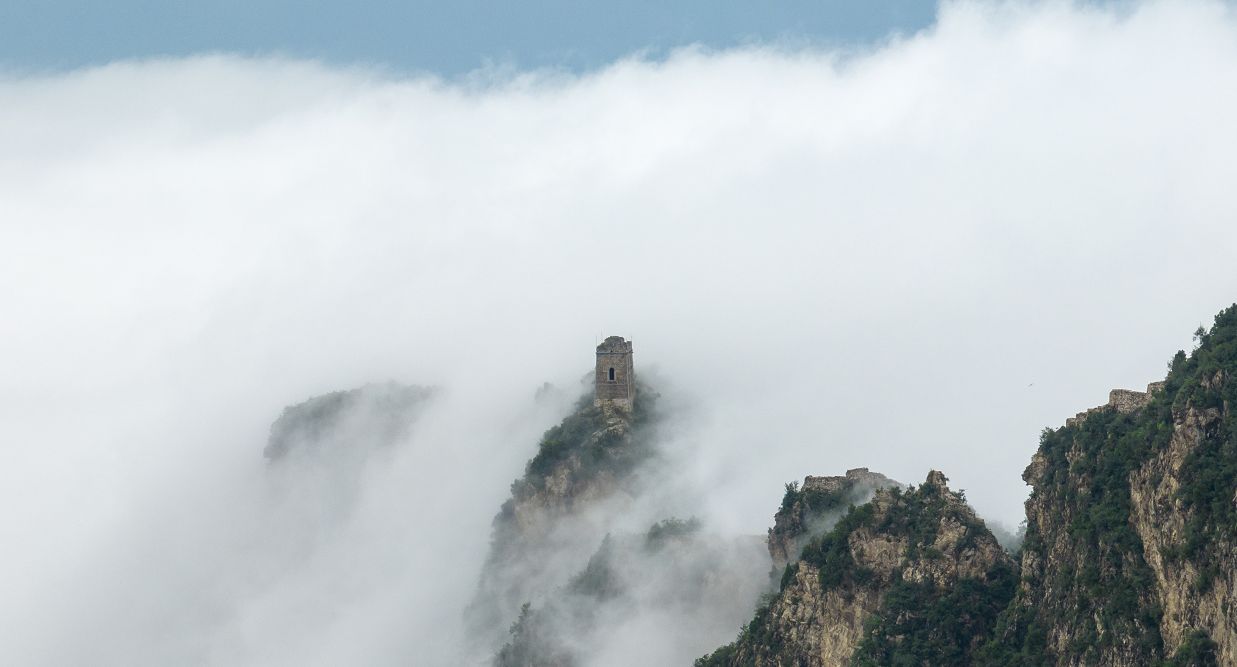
<point x="278" y="337"/>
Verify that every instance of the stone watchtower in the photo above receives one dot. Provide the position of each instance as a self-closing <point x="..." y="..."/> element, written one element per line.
<point x="616" y="379"/>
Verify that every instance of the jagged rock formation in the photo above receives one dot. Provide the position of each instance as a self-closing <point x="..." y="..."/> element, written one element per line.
<point x="1130" y="556"/>
<point x="374" y="415"/>
<point x="813" y="507"/>
<point x="912" y="577"/>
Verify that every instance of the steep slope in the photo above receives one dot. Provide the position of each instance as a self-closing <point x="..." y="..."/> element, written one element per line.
<point x="584" y="469"/>
<point x="912" y="577"/>
<point x="1130" y="555"/>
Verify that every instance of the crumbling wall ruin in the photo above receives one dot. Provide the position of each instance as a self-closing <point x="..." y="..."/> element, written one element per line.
<point x="1123" y="401"/>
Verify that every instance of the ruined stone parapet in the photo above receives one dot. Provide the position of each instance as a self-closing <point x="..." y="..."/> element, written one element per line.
<point x="1128" y="400"/>
<point x="1123" y="401"/>
<point x="1082" y="416"/>
<point x="861" y="477"/>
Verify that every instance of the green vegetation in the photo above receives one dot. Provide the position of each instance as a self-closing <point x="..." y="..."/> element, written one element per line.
<point x="922" y="624"/>
<point x="918" y="623"/>
<point x="830" y="552"/>
<point x="1209" y="474"/>
<point x="1103" y="591"/>
<point x="814" y="501"/>
<point x="1198" y="650"/>
<point x="573" y="433"/>
<point x="1099" y="591"/>
<point x="585" y="435"/>
<point x="1096" y="587"/>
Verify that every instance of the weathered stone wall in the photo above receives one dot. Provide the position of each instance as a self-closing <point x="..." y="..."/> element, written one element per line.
<point x="1128" y="400"/>
<point x="1124" y="401"/>
<point x="615" y="353"/>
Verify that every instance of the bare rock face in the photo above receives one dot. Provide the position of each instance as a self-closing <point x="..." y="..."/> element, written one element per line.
<point x="1195" y="590"/>
<point x="815" y="626"/>
<point x="814" y="507"/>
<point x="1130" y="555"/>
<point x="893" y="561"/>
<point x="1086" y="595"/>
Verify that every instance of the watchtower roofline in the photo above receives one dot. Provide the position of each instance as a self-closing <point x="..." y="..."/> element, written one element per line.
<point x="616" y="379"/>
<point x="614" y="345"/>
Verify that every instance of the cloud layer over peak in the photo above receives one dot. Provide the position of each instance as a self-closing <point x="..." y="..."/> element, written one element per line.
<point x="911" y="257"/>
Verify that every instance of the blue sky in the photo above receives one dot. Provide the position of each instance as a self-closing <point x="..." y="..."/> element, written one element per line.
<point x="446" y="38"/>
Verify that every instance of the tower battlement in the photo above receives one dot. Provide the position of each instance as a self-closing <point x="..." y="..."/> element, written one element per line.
<point x="616" y="378"/>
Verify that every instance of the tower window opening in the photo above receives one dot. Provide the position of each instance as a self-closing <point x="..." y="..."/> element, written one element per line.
<point x="612" y="374"/>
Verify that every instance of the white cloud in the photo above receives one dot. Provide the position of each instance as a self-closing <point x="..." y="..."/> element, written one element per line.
<point x="912" y="257"/>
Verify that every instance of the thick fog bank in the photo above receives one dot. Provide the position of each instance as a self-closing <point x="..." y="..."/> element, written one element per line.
<point x="907" y="258"/>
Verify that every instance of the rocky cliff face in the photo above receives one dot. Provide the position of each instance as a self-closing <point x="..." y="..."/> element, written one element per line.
<point x="1130" y="556"/>
<point x="1195" y="581"/>
<point x="911" y="576"/>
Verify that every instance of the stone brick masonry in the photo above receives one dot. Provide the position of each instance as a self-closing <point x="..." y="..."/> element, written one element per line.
<point x="1124" y="401"/>
<point x="616" y="378"/>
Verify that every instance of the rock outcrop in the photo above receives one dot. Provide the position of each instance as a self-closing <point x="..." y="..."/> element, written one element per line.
<point x="1195" y="580"/>
<point x="1130" y="555"/>
<point x="911" y="575"/>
